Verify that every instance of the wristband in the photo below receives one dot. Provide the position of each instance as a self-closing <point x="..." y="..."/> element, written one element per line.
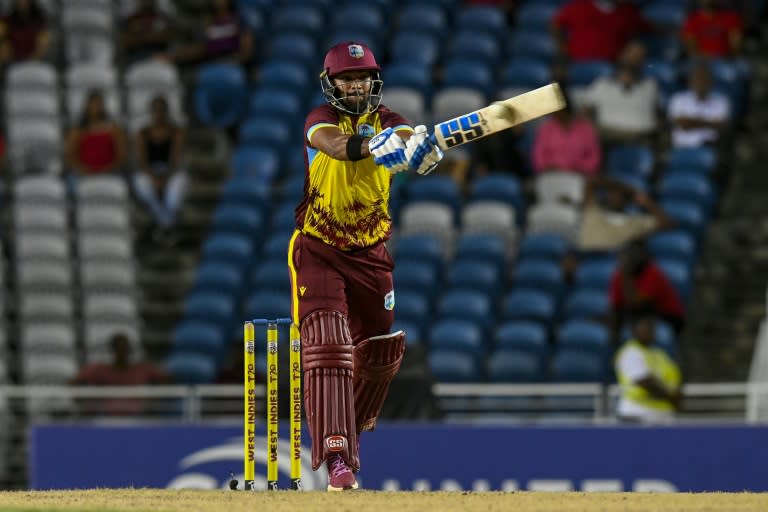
<point x="355" y="147"/>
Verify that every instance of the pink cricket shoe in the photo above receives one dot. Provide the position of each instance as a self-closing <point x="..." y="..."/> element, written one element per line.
<point x="340" y="477"/>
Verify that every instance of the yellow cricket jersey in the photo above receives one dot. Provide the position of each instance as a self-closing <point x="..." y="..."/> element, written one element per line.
<point x="345" y="203"/>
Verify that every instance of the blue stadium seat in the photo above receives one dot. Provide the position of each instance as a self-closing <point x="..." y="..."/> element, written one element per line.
<point x="677" y="245"/>
<point x="251" y="14"/>
<point x="544" y="275"/>
<point x="218" y="277"/>
<point x="514" y="366"/>
<point x="475" y="275"/>
<point x="543" y="246"/>
<point x="689" y="216"/>
<point x="294" y="19"/>
<point x="257" y="163"/>
<point x="476" y="46"/>
<point x="585" y="304"/>
<point x="576" y="366"/>
<point x="346" y="33"/>
<point x="482" y="20"/>
<point x="198" y="337"/>
<point x="416" y="47"/>
<point x="531" y="305"/>
<point x="536" y="16"/>
<point x="242" y="189"/>
<point x="210" y="307"/>
<point x="241" y="219"/>
<point x="412" y="306"/>
<point x="232" y="248"/>
<point x="412" y="75"/>
<point x="220" y="94"/>
<point x="700" y="159"/>
<point x="666" y="74"/>
<point x="689" y="187"/>
<point x="532" y="44"/>
<point x="678" y="274"/>
<point x="481" y="247"/>
<point x="267" y="304"/>
<point x="276" y="245"/>
<point x="665" y="13"/>
<point x="523" y="336"/>
<point x="595" y="275"/>
<point x="284" y="217"/>
<point x="583" y="73"/>
<point x="436" y="188"/>
<point x="631" y="159"/>
<point x="363" y="16"/>
<point x="525" y="73"/>
<point x="663" y="46"/>
<point x="584" y="336"/>
<point x="294" y="47"/>
<point x="468" y="74"/>
<point x="499" y="187"/>
<point x="416" y="276"/>
<point x="429" y="19"/>
<point x="424" y="248"/>
<point x="286" y="75"/>
<point x="457" y="336"/>
<point x="275" y="102"/>
<point x="270" y="131"/>
<point x="449" y="366"/>
<point x="271" y="275"/>
<point x="413" y="333"/>
<point x="191" y="368"/>
<point x="468" y="306"/>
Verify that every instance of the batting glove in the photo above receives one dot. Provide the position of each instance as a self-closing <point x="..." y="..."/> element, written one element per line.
<point x="421" y="154"/>
<point x="388" y="149"/>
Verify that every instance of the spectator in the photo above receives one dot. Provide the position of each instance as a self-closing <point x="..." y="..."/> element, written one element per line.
<point x="700" y="115"/>
<point x="567" y="141"/>
<point x="24" y="33"/>
<point x="596" y="29"/>
<point x="625" y="105"/>
<point x="639" y="287"/>
<point x="608" y="226"/>
<point x="650" y="380"/>
<point x="224" y="38"/>
<point x="146" y="32"/>
<point x="159" y="181"/>
<point x="713" y="30"/>
<point x="97" y="144"/>
<point x="122" y="371"/>
<point x="500" y="152"/>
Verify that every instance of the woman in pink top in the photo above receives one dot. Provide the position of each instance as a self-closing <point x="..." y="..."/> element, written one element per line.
<point x="567" y="142"/>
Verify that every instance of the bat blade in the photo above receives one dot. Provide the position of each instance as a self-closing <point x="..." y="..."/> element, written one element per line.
<point x="499" y="116"/>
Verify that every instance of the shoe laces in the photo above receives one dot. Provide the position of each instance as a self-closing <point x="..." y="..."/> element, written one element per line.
<point x="337" y="466"/>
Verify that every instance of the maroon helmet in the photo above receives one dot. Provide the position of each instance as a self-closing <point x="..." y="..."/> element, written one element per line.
<point x="350" y="56"/>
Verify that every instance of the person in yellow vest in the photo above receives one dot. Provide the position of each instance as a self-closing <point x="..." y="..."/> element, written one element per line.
<point x="649" y="379"/>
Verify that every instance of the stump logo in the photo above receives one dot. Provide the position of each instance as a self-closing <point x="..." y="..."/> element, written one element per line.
<point x="210" y="467"/>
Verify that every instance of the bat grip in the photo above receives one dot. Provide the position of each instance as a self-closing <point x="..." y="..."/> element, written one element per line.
<point x="433" y="139"/>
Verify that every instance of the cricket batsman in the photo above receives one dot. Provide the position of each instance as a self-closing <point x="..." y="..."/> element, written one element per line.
<point x="341" y="273"/>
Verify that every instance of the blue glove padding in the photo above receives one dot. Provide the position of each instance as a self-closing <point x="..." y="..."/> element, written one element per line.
<point x="422" y="155"/>
<point x="388" y="149"/>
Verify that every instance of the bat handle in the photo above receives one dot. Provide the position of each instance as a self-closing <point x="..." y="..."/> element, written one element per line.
<point x="433" y="139"/>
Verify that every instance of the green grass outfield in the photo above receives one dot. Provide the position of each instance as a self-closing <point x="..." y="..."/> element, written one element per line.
<point x="133" y="500"/>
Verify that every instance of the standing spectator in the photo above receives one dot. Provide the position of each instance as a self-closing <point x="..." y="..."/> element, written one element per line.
<point x="713" y="30"/>
<point x="97" y="144"/>
<point x="160" y="181"/>
<point x="567" y="141"/>
<point x="649" y="379"/>
<point x="596" y="29"/>
<point x="145" y="32"/>
<point x="638" y="287"/>
<point x="607" y="226"/>
<point x="625" y="104"/>
<point x="700" y="115"/>
<point x="24" y="33"/>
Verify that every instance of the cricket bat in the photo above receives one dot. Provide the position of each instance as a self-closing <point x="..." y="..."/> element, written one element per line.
<point x="498" y="116"/>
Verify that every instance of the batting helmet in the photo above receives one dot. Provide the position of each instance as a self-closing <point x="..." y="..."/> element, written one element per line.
<point x="350" y="56"/>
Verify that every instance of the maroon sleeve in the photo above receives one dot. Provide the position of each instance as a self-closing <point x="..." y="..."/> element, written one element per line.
<point x="391" y="119"/>
<point x="321" y="114"/>
<point x="615" y="293"/>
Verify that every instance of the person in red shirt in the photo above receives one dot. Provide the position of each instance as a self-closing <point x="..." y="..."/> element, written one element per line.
<point x="638" y="286"/>
<point x="596" y="29"/>
<point x="713" y="30"/>
<point x="24" y="33"/>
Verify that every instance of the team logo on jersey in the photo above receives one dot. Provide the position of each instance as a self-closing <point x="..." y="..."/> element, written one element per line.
<point x="356" y="51"/>
<point x="366" y="130"/>
<point x="389" y="301"/>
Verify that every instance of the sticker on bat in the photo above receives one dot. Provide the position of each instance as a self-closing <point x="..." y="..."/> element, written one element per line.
<point x="462" y="129"/>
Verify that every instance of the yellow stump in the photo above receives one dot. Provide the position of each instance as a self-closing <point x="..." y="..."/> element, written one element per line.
<point x="249" y="394"/>
<point x="296" y="398"/>
<point x="272" y="402"/>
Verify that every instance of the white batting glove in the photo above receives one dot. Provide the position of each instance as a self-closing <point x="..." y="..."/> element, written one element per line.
<point x="388" y="149"/>
<point x="421" y="154"/>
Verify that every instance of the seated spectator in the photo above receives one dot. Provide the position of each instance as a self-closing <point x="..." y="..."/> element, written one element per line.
<point x="567" y="141"/>
<point x="97" y="144"/>
<point x="24" y="33"/>
<point x="713" y="30"/>
<point x="144" y="33"/>
<point x="500" y="152"/>
<point x="639" y="287"/>
<point x="625" y="104"/>
<point x="606" y="225"/>
<point x="700" y="115"/>
<point x="650" y="380"/>
<point x="122" y="371"/>
<point x="596" y="29"/>
<point x="224" y="37"/>
<point x="159" y="181"/>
